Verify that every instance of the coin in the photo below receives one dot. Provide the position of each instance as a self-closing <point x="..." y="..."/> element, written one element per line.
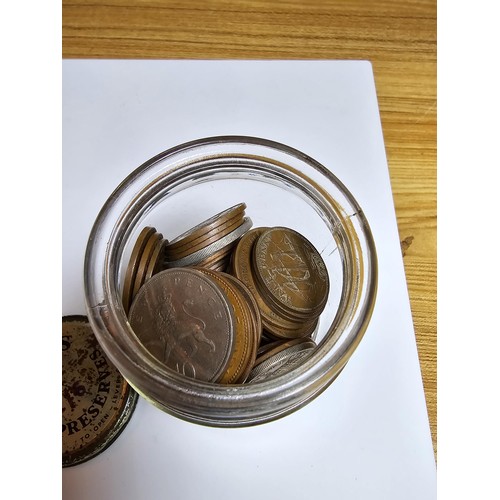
<point x="154" y="264"/>
<point x="196" y="257"/>
<point x="242" y="268"/>
<point x="205" y="226"/>
<point x="291" y="273"/>
<point x="252" y="303"/>
<point x="131" y="271"/>
<point x="245" y="347"/>
<point x="220" y="258"/>
<point x="97" y="402"/>
<point x="280" y="359"/>
<point x="302" y="329"/>
<point x="186" y="322"/>
<point x="154" y="240"/>
<point x="205" y="240"/>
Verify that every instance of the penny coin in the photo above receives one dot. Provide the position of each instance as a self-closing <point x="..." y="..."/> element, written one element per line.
<point x="218" y="259"/>
<point x="220" y="266"/>
<point x="301" y="330"/>
<point x="252" y="303"/>
<point x="291" y="272"/>
<point x="242" y="268"/>
<point x="154" y="264"/>
<point x="205" y="240"/>
<point x="97" y="402"/>
<point x="153" y="242"/>
<point x="182" y="317"/>
<point x="245" y="348"/>
<point x="131" y="271"/>
<point x="205" y="226"/>
<point x="196" y="257"/>
<point x="254" y="316"/>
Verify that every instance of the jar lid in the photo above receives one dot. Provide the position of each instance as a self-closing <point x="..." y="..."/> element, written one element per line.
<point x="97" y="402"/>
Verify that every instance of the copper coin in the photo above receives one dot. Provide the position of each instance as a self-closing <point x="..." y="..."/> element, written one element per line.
<point x="198" y="256"/>
<point x="221" y="255"/>
<point x="97" y="402"/>
<point x="303" y="329"/>
<point x="131" y="271"/>
<point x="242" y="265"/>
<point x="244" y="352"/>
<point x="144" y="261"/>
<point x="291" y="272"/>
<point x="254" y="317"/>
<point x="220" y="266"/>
<point x="215" y="265"/>
<point x="155" y="261"/>
<point x="205" y="240"/>
<point x="205" y="226"/>
<point x="183" y="318"/>
<point x="252" y="303"/>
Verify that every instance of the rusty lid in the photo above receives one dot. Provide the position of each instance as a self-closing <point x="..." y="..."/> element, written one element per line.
<point x="97" y="402"/>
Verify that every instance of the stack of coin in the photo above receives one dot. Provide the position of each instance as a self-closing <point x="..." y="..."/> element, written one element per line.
<point x="145" y="260"/>
<point x="288" y="278"/>
<point x="201" y="323"/>
<point x="248" y="326"/>
<point x="210" y="243"/>
<point x="230" y="327"/>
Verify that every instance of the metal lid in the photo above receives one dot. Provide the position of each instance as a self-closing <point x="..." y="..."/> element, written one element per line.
<point x="97" y="402"/>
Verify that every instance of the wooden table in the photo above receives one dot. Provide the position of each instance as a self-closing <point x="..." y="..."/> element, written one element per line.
<point x="399" y="37"/>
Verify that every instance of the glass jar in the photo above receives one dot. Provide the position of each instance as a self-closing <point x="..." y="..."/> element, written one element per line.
<point x="281" y="186"/>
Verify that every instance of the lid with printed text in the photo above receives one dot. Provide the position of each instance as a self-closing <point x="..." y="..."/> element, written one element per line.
<point x="97" y="402"/>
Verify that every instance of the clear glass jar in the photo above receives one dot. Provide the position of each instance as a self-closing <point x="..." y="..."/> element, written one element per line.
<point x="281" y="186"/>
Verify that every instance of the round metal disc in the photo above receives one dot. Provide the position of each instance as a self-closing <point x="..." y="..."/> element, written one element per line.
<point x="245" y="345"/>
<point x="97" y="402"/>
<point x="291" y="273"/>
<point x="133" y="264"/>
<point x="186" y="322"/>
<point x="206" y="226"/>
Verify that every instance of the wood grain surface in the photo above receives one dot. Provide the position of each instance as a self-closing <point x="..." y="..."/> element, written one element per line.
<point x="398" y="37"/>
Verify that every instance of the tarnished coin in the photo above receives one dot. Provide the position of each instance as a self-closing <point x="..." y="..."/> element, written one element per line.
<point x="241" y="264"/>
<point x="156" y="260"/>
<point x="300" y="330"/>
<point x="245" y="347"/>
<point x="200" y="255"/>
<point x="133" y="264"/>
<point x="252" y="303"/>
<point x="97" y="402"/>
<point x="291" y="272"/>
<point x="242" y="268"/>
<point x="280" y="358"/>
<point x="152" y="245"/>
<point x="205" y="240"/>
<point x="219" y="259"/>
<point x="186" y="322"/>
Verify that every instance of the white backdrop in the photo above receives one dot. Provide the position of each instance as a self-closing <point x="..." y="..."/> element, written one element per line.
<point x="367" y="436"/>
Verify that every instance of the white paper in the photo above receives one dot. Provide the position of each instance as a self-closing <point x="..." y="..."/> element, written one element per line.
<point x="367" y="436"/>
